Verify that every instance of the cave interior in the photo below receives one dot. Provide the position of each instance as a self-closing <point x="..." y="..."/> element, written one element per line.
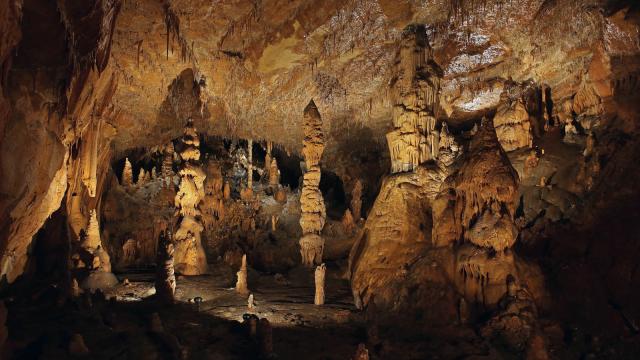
<point x="335" y="179"/>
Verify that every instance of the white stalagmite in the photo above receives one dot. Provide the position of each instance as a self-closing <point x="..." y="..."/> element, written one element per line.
<point x="241" y="282"/>
<point x="127" y="173"/>
<point x="319" y="280"/>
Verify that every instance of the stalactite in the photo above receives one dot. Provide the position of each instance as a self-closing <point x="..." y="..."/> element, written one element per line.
<point x="415" y="94"/>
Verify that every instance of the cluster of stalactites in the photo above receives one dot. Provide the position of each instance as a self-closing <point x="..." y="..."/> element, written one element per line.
<point x="414" y="139"/>
<point x="189" y="253"/>
<point x="89" y="158"/>
<point x="312" y="206"/>
<point x="486" y="191"/>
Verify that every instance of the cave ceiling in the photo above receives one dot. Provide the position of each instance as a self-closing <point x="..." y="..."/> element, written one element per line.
<point x="263" y="61"/>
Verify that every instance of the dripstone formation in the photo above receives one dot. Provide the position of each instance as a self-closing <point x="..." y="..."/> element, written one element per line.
<point x="190" y="258"/>
<point x="415" y="90"/>
<point x="313" y="215"/>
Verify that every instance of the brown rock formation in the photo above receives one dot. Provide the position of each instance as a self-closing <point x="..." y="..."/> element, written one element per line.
<point x="319" y="276"/>
<point x="512" y="125"/>
<point x="165" y="281"/>
<point x="415" y="90"/>
<point x="312" y="205"/>
<point x="190" y="258"/>
<point x="127" y="174"/>
<point x="486" y="191"/>
<point x="241" y="277"/>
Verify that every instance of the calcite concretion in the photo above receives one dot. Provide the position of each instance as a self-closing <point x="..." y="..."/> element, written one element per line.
<point x="165" y="280"/>
<point x="512" y="124"/>
<point x="313" y="211"/>
<point x="100" y="276"/>
<point x="189" y="256"/>
<point x="274" y="174"/>
<point x="415" y="91"/>
<point x="319" y="276"/>
<point x="486" y="191"/>
<point x="241" y="277"/>
<point x="89" y="159"/>
<point x="127" y="174"/>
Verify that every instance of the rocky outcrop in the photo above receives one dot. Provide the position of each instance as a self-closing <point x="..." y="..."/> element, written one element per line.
<point x="190" y="258"/>
<point x="512" y="124"/>
<point x="313" y="212"/>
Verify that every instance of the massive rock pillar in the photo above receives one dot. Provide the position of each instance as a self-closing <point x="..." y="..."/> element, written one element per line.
<point x="165" y="282"/>
<point x="415" y="89"/>
<point x="190" y="258"/>
<point x="312" y="206"/>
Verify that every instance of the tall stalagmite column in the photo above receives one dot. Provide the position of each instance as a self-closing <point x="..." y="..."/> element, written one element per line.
<point x="165" y="282"/>
<point x="190" y="258"/>
<point x="311" y="202"/>
<point x="415" y="96"/>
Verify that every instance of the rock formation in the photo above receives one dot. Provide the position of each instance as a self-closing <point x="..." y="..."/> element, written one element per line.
<point x="89" y="154"/>
<point x="274" y="174"/>
<point x="100" y="276"/>
<point x="415" y="91"/>
<point x="250" y="164"/>
<point x="361" y="353"/>
<point x="165" y="281"/>
<point x="4" y="332"/>
<point x="486" y="191"/>
<point x="512" y="124"/>
<point x="319" y="277"/>
<point x="77" y="346"/>
<point x="127" y="173"/>
<point x="265" y="337"/>
<point x="190" y="258"/>
<point x="312" y="205"/>
<point x="241" y="281"/>
<point x="167" y="163"/>
<point x="356" y="200"/>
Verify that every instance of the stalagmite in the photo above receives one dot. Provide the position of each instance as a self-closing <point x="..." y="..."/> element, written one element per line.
<point x="319" y="281"/>
<point x="100" y="276"/>
<point x="250" y="304"/>
<point x="274" y="174"/>
<point x="142" y="177"/>
<point x="415" y="90"/>
<point x="312" y="205"/>
<point x="127" y="173"/>
<point x="241" y="282"/>
<point x="268" y="158"/>
<point x="165" y="282"/>
<point x="190" y="258"/>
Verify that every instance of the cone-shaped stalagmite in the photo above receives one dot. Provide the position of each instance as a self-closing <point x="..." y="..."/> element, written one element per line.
<point x="190" y="258"/>
<point x="100" y="276"/>
<point x="319" y="280"/>
<point x="415" y="95"/>
<point x="127" y="173"/>
<point x="165" y="282"/>
<point x="312" y="205"/>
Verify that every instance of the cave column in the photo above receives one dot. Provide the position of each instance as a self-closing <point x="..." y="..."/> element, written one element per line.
<point x="312" y="206"/>
<point x="190" y="258"/>
<point x="250" y="164"/>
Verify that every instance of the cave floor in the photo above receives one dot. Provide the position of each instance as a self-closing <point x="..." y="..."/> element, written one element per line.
<point x="118" y="326"/>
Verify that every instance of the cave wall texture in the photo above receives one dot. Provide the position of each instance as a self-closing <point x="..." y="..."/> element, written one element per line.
<point x="83" y="82"/>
